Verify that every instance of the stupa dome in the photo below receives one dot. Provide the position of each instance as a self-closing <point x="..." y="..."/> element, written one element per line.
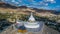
<point x="32" y="24"/>
<point x="31" y="18"/>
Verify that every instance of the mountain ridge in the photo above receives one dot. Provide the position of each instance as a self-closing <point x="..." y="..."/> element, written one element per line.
<point x="4" y="5"/>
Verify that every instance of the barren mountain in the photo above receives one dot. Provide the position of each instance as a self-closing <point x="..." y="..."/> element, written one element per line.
<point x="50" y="14"/>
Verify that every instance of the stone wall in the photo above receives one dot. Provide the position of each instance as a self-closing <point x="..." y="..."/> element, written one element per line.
<point x="44" y="30"/>
<point x="7" y="30"/>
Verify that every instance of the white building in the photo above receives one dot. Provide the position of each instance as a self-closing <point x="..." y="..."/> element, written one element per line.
<point x="31" y="25"/>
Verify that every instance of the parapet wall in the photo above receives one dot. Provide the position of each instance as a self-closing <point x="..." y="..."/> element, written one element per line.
<point x="7" y="30"/>
<point x="44" y="30"/>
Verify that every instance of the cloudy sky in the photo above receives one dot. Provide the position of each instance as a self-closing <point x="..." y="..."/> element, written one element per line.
<point x="41" y="4"/>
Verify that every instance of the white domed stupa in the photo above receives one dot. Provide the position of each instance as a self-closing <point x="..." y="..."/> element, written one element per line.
<point x="32" y="25"/>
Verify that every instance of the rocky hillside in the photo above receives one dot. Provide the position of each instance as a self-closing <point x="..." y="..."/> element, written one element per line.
<point x="50" y="14"/>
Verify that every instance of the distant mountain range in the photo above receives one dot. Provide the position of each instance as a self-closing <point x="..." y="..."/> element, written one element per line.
<point x="3" y="5"/>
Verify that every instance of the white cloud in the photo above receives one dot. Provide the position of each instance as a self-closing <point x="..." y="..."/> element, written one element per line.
<point x="30" y="0"/>
<point x="43" y="3"/>
<point x="17" y="2"/>
<point x="51" y="1"/>
<point x="13" y="1"/>
<point x="57" y="8"/>
<point x="46" y="4"/>
<point x="6" y="0"/>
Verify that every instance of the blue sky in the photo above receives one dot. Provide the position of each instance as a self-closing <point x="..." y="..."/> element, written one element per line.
<point x="41" y="4"/>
